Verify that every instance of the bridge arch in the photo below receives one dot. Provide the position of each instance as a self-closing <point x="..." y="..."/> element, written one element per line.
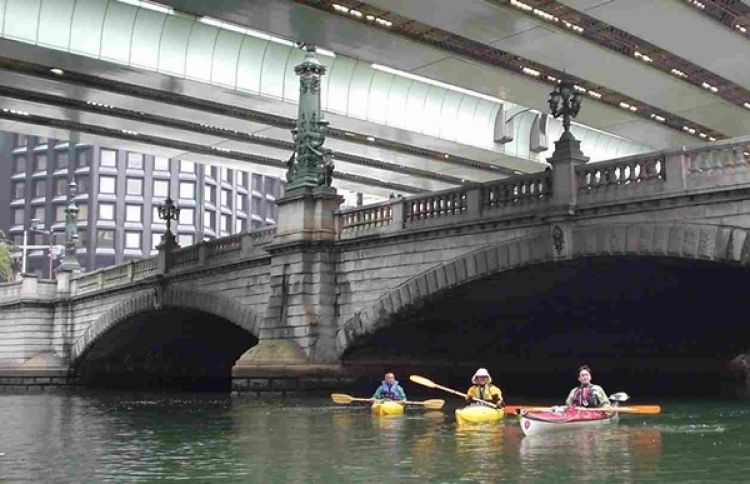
<point x="558" y="242"/>
<point x="213" y="304"/>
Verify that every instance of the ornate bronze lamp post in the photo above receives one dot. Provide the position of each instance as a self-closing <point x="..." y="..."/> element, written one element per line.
<point x="70" y="262"/>
<point x="565" y="101"/>
<point x="311" y="165"/>
<point x="168" y="212"/>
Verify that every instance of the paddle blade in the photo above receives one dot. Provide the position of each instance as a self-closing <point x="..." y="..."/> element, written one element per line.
<point x="341" y="398"/>
<point x="420" y="380"/>
<point x="640" y="409"/>
<point x="434" y="404"/>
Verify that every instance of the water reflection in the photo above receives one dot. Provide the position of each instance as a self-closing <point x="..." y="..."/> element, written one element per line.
<point x="619" y="451"/>
<point x="105" y="438"/>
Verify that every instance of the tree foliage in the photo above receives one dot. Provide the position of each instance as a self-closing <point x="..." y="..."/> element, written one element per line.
<point x="6" y="262"/>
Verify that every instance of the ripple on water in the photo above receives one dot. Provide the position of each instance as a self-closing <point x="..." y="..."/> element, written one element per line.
<point x="692" y="429"/>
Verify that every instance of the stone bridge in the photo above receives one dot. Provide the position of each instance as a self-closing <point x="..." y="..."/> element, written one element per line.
<point x="288" y="304"/>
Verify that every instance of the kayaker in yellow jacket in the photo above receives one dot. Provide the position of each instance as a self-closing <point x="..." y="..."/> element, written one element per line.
<point x="483" y="389"/>
<point x="587" y="394"/>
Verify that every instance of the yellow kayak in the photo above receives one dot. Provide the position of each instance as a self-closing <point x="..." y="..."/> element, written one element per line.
<point x="387" y="407"/>
<point x="478" y="414"/>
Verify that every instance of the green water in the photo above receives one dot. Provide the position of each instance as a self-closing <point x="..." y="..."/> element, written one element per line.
<point x="106" y="438"/>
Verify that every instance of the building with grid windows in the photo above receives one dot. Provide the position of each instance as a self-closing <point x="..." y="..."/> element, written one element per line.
<point x="119" y="192"/>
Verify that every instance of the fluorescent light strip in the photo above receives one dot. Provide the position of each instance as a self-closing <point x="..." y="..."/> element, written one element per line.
<point x="244" y="30"/>
<point x="149" y="5"/>
<point x="433" y="82"/>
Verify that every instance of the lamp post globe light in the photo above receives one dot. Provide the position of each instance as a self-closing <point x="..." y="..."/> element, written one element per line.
<point x="168" y="212"/>
<point x="565" y="101"/>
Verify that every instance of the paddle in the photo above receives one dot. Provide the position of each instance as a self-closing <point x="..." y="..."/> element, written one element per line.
<point x="344" y="399"/>
<point x="631" y="409"/>
<point x="431" y="384"/>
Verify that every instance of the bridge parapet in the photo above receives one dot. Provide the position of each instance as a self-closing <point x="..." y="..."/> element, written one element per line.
<point x="666" y="172"/>
<point x="213" y="252"/>
<point x="715" y="166"/>
<point x="510" y="196"/>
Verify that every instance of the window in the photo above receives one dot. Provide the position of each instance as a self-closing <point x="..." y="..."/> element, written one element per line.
<point x="209" y="192"/>
<point x="224" y="198"/>
<point x="61" y="160"/>
<point x="155" y="240"/>
<point x="161" y="188"/>
<point x="60" y="213"/>
<point x="133" y="213"/>
<point x="239" y="202"/>
<point x="243" y="177"/>
<point x="40" y="163"/>
<point x="106" y="211"/>
<point x="161" y="163"/>
<point x="155" y="216"/>
<point x="18" y="216"/>
<point x="134" y="186"/>
<point x="240" y="225"/>
<point x="258" y="207"/>
<point x="41" y="140"/>
<point x="107" y="184"/>
<point x="21" y="140"/>
<point x="270" y="185"/>
<point x="19" y="164"/>
<point x="83" y="184"/>
<point x="185" y="239"/>
<point x="209" y="221"/>
<point x="108" y="158"/>
<point x="257" y="183"/>
<point x="61" y="186"/>
<point x="83" y="212"/>
<point x="83" y="238"/>
<point x="39" y="188"/>
<point x="187" y="216"/>
<point x="133" y="240"/>
<point x="105" y="238"/>
<point x="135" y="161"/>
<point x="83" y="158"/>
<point x="19" y="190"/>
<point x="187" y="167"/>
<point x="256" y="224"/>
<point x="225" y="222"/>
<point x="187" y="190"/>
<point x="226" y="176"/>
<point x="39" y="213"/>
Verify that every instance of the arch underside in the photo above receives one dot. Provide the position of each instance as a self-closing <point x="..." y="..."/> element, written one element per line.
<point x="516" y="281"/>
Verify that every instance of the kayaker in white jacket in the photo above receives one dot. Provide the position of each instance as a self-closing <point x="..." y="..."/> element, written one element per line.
<point x="587" y="394"/>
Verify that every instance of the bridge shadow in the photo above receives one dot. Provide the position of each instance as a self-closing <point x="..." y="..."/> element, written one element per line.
<point x="648" y="325"/>
<point x="167" y="349"/>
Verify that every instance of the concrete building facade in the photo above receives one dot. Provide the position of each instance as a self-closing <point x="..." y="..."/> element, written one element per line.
<point x="119" y="192"/>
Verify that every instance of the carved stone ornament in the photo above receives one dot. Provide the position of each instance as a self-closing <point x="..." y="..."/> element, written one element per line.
<point x="558" y="239"/>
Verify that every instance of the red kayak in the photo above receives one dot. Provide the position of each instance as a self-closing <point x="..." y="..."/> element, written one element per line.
<point x="567" y="418"/>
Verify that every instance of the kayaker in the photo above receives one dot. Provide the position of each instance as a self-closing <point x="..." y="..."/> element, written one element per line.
<point x="483" y="389"/>
<point x="389" y="389"/>
<point x="587" y="394"/>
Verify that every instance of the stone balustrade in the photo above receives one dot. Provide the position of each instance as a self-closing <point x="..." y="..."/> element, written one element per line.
<point x="212" y="252"/>
<point x="713" y="166"/>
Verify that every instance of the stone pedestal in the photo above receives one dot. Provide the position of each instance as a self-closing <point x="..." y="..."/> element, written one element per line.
<point x="564" y="160"/>
<point x="296" y="349"/>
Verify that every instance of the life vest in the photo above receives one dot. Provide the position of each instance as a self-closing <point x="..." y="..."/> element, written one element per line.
<point x="486" y="392"/>
<point x="389" y="392"/>
<point x="585" y="397"/>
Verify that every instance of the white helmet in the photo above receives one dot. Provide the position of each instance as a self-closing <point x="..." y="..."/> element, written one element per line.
<point x="481" y="372"/>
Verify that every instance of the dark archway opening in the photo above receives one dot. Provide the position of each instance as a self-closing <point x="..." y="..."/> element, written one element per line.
<point x="170" y="349"/>
<point x="648" y="326"/>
